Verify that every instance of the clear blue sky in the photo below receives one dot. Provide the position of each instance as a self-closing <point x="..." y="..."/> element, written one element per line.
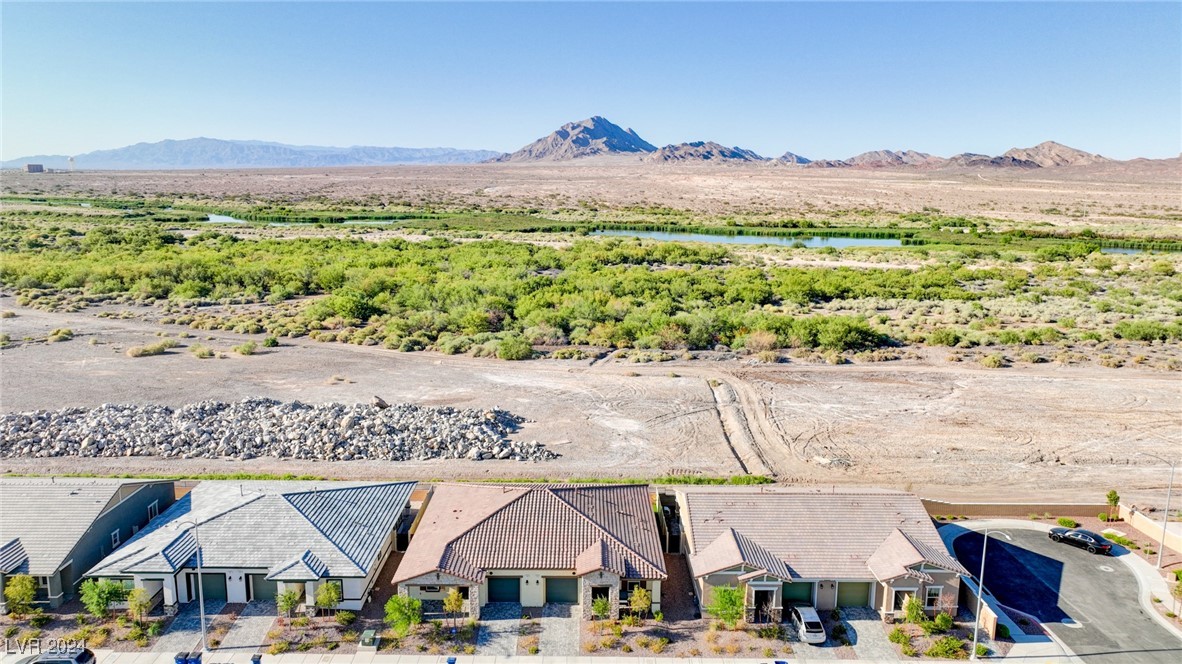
<point x="826" y="80"/>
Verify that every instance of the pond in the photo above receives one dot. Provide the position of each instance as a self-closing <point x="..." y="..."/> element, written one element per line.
<point x="224" y="219"/>
<point x="808" y="241"/>
<point x="1120" y="250"/>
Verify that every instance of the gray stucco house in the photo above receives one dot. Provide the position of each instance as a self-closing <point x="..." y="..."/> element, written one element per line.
<point x="258" y="539"/>
<point x="55" y="529"/>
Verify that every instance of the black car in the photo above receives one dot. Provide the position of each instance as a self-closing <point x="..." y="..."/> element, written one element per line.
<point x="1084" y="539"/>
<point x="70" y="656"/>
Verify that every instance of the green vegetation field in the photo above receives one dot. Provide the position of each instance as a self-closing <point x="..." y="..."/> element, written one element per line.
<point x="968" y="287"/>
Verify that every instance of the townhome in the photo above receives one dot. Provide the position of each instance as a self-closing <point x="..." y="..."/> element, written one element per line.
<point x="532" y="545"/>
<point x="55" y="529"/>
<point x="257" y="539"/>
<point x="828" y="547"/>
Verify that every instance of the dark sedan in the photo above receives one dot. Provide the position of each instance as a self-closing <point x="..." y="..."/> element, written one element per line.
<point x="1084" y="539"/>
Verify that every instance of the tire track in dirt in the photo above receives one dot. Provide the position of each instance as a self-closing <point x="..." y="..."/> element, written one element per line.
<point x="736" y="431"/>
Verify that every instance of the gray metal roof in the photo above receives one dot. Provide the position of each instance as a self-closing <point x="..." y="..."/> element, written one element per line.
<point x="268" y="525"/>
<point x="47" y="516"/>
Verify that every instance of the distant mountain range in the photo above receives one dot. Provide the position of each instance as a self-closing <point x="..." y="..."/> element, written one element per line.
<point x="598" y="136"/>
<point x="216" y="153"/>
<point x="593" y="137"/>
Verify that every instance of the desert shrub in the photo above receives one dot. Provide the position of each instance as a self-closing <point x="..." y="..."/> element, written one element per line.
<point x="201" y="352"/>
<point x="155" y="628"/>
<point x="948" y="647"/>
<point x="898" y="636"/>
<point x="943" y="622"/>
<point x="60" y="334"/>
<point x="247" y="348"/>
<point x="346" y="618"/>
<point x="761" y="341"/>
<point x="944" y="337"/>
<point x="270" y="342"/>
<point x="39" y="618"/>
<point x="514" y="347"/>
<point x="1068" y="523"/>
<point x="158" y="348"/>
<point x="278" y="648"/>
<point x="982" y="651"/>
<point x="994" y="361"/>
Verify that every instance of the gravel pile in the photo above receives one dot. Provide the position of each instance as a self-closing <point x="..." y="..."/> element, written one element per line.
<point x="269" y="428"/>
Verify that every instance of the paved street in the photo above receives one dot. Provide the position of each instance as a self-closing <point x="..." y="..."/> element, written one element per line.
<point x="1090" y="602"/>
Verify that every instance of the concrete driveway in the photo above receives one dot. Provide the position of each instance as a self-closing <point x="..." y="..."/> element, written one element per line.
<point x="1090" y="602"/>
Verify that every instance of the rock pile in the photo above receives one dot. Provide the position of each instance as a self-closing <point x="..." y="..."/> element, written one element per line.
<point x="268" y="428"/>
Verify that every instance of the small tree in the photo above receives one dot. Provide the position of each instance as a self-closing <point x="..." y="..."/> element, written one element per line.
<point x="98" y="596"/>
<point x="1176" y="591"/>
<point x="20" y="591"/>
<point x="403" y="613"/>
<point x="139" y="602"/>
<point x="914" y="611"/>
<point x="1113" y="499"/>
<point x="640" y="601"/>
<point x="287" y="601"/>
<point x="727" y="604"/>
<point x="601" y="607"/>
<point x="453" y="605"/>
<point x="328" y="595"/>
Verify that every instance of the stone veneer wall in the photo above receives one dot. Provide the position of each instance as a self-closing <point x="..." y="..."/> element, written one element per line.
<point x="593" y="579"/>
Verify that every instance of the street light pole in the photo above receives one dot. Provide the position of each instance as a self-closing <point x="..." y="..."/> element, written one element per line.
<point x="1165" y="522"/>
<point x="200" y="587"/>
<point x="981" y="592"/>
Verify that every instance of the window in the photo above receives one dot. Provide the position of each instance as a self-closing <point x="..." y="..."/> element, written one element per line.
<point x="931" y="599"/>
<point x="429" y="589"/>
<point x="115" y="541"/>
<point x="43" y="582"/>
<point x="153" y="510"/>
<point x="127" y="582"/>
<point x="901" y="597"/>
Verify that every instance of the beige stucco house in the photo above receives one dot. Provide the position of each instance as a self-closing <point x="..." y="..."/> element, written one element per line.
<point x="830" y="548"/>
<point x="534" y="545"/>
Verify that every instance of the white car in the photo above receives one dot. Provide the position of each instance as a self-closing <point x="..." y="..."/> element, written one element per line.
<point x="808" y="623"/>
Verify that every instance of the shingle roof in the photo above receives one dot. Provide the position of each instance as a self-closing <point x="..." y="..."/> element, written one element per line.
<point x="468" y="529"/>
<point x="266" y="525"/>
<point x="816" y="534"/>
<point x="49" y="515"/>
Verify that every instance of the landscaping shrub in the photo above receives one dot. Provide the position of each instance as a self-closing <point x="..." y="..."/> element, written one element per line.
<point x="346" y="618"/>
<point x="898" y="636"/>
<point x="39" y="618"/>
<point x="943" y="622"/>
<point x="1068" y="523"/>
<point x="948" y="647"/>
<point x="913" y="610"/>
<point x="1003" y="632"/>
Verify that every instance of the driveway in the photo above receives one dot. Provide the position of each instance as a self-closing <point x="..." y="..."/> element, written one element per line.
<point x="500" y="624"/>
<point x="249" y="631"/>
<point x="1089" y="602"/>
<point x="560" y="630"/>
<point x="864" y="630"/>
<point x="184" y="634"/>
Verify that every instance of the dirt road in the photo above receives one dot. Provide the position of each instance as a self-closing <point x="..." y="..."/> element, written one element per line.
<point x="952" y="431"/>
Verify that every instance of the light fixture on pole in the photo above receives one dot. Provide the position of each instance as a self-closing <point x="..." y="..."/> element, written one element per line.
<point x="1165" y="521"/>
<point x="200" y="588"/>
<point x="981" y="588"/>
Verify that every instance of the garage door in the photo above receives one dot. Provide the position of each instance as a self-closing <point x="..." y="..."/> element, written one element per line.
<point x="504" y="589"/>
<point x="562" y="591"/>
<point x="213" y="586"/>
<point x="262" y="590"/>
<point x="798" y="592"/>
<point x="850" y="593"/>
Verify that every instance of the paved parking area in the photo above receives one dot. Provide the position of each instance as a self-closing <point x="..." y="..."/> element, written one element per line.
<point x="184" y="634"/>
<point x="560" y="630"/>
<point x="500" y="624"/>
<point x="1090" y="602"/>
<point x="249" y="631"/>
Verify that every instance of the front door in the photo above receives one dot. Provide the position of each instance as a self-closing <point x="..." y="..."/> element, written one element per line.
<point x="763" y="605"/>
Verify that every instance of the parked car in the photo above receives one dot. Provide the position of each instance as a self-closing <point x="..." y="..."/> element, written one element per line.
<point x="1084" y="539"/>
<point x="808" y="623"/>
<point x="72" y="656"/>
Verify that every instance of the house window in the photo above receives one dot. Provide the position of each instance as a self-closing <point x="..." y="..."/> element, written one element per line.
<point x="901" y="597"/>
<point x="153" y="510"/>
<point x="598" y="592"/>
<point x="338" y="583"/>
<point x="931" y="599"/>
<point x="115" y="541"/>
<point x="429" y="589"/>
<point x="127" y="582"/>
<point x="43" y="582"/>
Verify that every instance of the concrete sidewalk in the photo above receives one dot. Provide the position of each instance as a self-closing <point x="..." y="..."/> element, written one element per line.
<point x="215" y="657"/>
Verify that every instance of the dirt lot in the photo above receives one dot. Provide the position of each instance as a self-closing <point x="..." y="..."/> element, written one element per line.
<point x="954" y="431"/>
<point x="1138" y="196"/>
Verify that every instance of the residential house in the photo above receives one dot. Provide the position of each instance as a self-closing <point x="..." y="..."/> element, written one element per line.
<point x="258" y="539"/>
<point x="534" y="545"/>
<point x="54" y="529"/>
<point x="830" y="548"/>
